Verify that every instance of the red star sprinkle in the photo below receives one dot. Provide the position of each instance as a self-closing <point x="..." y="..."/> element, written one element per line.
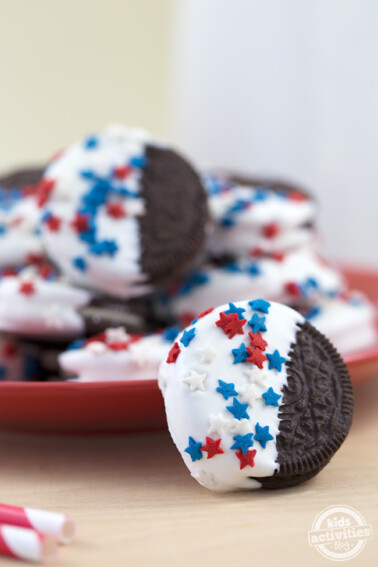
<point x="45" y="271"/>
<point x="297" y="196"/>
<point x="118" y="345"/>
<point x="279" y="256"/>
<point x="186" y="319"/>
<point x="34" y="259"/>
<point x="257" y="341"/>
<point x="116" y="210"/>
<point x="16" y="221"/>
<point x="271" y="230"/>
<point x="256" y="252"/>
<point x="9" y="273"/>
<point x="43" y="190"/>
<point x="121" y="172"/>
<point x="205" y="313"/>
<point x="247" y="459"/>
<point x="256" y="357"/>
<point x="53" y="223"/>
<point x="80" y="223"/>
<point x="212" y="447"/>
<point x="173" y="353"/>
<point x="27" y="288"/>
<point x="9" y="350"/>
<point x="293" y="289"/>
<point x="231" y="324"/>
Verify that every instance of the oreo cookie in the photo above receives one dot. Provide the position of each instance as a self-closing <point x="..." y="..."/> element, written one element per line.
<point x="22" y="177"/>
<point x="255" y="397"/>
<point x="124" y="213"/>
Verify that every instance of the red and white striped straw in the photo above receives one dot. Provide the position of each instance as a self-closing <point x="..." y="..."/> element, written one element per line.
<point x="60" y="526"/>
<point x="27" y="545"/>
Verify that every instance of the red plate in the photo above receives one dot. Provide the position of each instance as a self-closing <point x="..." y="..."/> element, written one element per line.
<point x="129" y="406"/>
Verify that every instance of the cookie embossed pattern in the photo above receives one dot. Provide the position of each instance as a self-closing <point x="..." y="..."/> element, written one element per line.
<point x="255" y="397"/>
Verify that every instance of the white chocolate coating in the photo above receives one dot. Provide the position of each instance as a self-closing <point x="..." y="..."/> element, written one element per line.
<point x="201" y="412"/>
<point x="134" y="358"/>
<point x="48" y="309"/>
<point x="350" y="323"/>
<point x="86" y="183"/>
<point x="269" y="278"/>
<point x="240" y="215"/>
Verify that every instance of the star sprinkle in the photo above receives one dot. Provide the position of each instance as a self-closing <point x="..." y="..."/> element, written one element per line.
<point x="188" y="336"/>
<point x="238" y="410"/>
<point x="262" y="435"/>
<point x="271" y="230"/>
<point x="116" y="210"/>
<point x="238" y="427"/>
<point x="195" y="381"/>
<point x="108" y="247"/>
<point x="194" y="450"/>
<point x="256" y="376"/>
<point x="53" y="222"/>
<point x="243" y="442"/>
<point x="250" y="394"/>
<point x="246" y="460"/>
<point x="257" y="323"/>
<point x="207" y="354"/>
<point x="212" y="447"/>
<point x="259" y="305"/>
<point x="91" y="143"/>
<point x="271" y="398"/>
<point x="257" y="341"/>
<point x="276" y="361"/>
<point x="117" y="334"/>
<point x="79" y="263"/>
<point x="96" y="347"/>
<point x="80" y="223"/>
<point x="233" y="309"/>
<point x="204" y="313"/>
<point x="240" y="354"/>
<point x="27" y="288"/>
<point x="122" y="171"/>
<point x="218" y="423"/>
<point x="256" y="356"/>
<point x="173" y="354"/>
<point x="231" y="324"/>
<point x="227" y="389"/>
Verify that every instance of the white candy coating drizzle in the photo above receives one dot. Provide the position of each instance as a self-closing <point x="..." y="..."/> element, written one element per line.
<point x="196" y="409"/>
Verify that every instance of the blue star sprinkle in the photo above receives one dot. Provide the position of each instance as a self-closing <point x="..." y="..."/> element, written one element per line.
<point x="194" y="280"/>
<point x="79" y="343"/>
<point x="108" y="247"/>
<point x="239" y="410"/>
<point x="262" y="435"/>
<point x="233" y="309"/>
<point x="227" y="389"/>
<point x="138" y="162"/>
<point x="3" y="229"/>
<point x="188" y="336"/>
<point x="79" y="263"/>
<point x="3" y="372"/>
<point x="194" y="450"/>
<point x="275" y="360"/>
<point x="170" y="334"/>
<point x="312" y="312"/>
<point x="253" y="269"/>
<point x="243" y="442"/>
<point x="91" y="142"/>
<point x="260" y="305"/>
<point x="241" y="354"/>
<point x="257" y="323"/>
<point x="271" y="398"/>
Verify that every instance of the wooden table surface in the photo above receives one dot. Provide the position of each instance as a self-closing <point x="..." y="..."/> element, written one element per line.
<point x="136" y="504"/>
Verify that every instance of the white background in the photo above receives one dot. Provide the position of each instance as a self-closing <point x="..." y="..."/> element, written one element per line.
<point x="288" y="87"/>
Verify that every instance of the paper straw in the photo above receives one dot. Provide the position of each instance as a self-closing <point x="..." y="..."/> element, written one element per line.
<point x="60" y="526"/>
<point x="27" y="545"/>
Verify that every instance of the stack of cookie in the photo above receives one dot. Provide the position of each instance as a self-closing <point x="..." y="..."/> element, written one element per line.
<point x="119" y="238"/>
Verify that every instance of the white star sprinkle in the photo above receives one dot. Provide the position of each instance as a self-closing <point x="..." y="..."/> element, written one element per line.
<point x="206" y="479"/>
<point x="239" y="426"/>
<point x="195" y="381"/>
<point x="116" y="334"/>
<point x="207" y="354"/>
<point x="96" y="347"/>
<point x="218" y="423"/>
<point x="256" y="376"/>
<point x="250" y="394"/>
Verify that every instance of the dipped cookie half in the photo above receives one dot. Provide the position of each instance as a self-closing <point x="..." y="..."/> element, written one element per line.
<point x="255" y="397"/>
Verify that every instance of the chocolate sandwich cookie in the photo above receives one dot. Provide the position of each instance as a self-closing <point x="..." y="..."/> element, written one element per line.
<point x="252" y="216"/>
<point x="255" y="397"/>
<point x="124" y="213"/>
<point x="23" y="177"/>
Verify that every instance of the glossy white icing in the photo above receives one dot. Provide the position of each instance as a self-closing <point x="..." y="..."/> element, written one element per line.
<point x="32" y="306"/>
<point x="201" y="412"/>
<point x="264" y="277"/>
<point x="133" y="357"/>
<point x="350" y="323"/>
